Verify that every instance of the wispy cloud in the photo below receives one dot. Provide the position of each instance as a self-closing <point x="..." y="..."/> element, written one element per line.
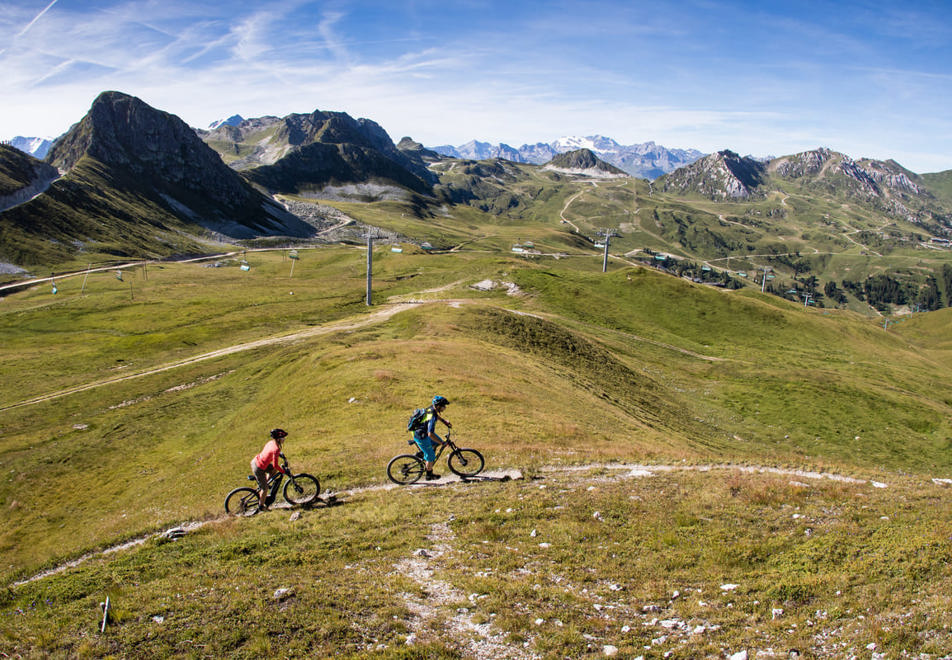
<point x="35" y="19"/>
<point x="757" y="78"/>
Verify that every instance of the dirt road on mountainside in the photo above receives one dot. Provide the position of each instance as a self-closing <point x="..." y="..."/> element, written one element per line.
<point x="347" y="324"/>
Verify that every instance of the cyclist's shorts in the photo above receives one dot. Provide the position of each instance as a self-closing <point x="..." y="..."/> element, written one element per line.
<point x="426" y="446"/>
<point x="261" y="476"/>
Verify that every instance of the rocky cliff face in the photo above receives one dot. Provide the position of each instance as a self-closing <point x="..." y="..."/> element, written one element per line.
<point x="302" y="152"/>
<point x="720" y="176"/>
<point x="137" y="182"/>
<point x="886" y="185"/>
<point x="123" y="132"/>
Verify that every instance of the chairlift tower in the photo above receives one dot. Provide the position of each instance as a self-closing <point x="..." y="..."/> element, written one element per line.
<point x="607" y="233"/>
<point x="370" y="263"/>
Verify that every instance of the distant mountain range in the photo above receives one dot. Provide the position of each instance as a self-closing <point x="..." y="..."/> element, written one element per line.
<point x="130" y="180"/>
<point x="646" y="160"/>
<point x="35" y="146"/>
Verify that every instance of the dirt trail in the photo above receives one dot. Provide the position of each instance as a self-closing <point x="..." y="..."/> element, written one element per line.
<point x="347" y="324"/>
<point x="478" y="640"/>
<point x="619" y="470"/>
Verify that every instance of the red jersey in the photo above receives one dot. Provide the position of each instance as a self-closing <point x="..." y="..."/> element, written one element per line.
<point x="269" y="456"/>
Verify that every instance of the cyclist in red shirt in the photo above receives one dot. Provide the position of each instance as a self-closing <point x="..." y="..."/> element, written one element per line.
<point x="265" y="464"/>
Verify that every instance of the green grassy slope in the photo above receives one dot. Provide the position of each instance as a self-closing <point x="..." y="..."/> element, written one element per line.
<point x="580" y="367"/>
<point x="646" y="368"/>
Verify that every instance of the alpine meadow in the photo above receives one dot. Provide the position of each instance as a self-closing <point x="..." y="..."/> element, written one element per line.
<point x="714" y="406"/>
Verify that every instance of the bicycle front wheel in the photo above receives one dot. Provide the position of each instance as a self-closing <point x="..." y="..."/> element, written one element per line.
<point x="242" y="502"/>
<point x="405" y="469"/>
<point x="302" y="489"/>
<point x="466" y="462"/>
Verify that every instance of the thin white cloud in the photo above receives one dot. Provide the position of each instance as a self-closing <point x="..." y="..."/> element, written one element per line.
<point x="36" y="18"/>
<point x="665" y="73"/>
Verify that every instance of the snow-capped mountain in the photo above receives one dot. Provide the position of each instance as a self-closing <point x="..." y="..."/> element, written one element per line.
<point x="234" y="120"/>
<point x="35" y="146"/>
<point x="648" y="160"/>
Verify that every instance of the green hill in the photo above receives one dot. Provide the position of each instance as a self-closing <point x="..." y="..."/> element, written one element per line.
<point x="123" y="415"/>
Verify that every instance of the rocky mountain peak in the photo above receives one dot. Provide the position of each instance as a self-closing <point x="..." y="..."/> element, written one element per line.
<point x="722" y="175"/>
<point x="583" y="161"/>
<point x="124" y="131"/>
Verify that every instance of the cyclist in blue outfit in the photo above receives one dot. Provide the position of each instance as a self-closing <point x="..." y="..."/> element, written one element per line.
<point x="425" y="436"/>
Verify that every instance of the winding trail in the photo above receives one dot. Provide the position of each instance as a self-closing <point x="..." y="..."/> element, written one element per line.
<point x="620" y="470"/>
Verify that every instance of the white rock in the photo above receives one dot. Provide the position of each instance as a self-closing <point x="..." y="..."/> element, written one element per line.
<point x="728" y="587"/>
<point x="545" y="545"/>
<point x="741" y="655"/>
<point x="878" y="484"/>
<point x="610" y="650"/>
<point x="283" y="593"/>
<point x="295" y="516"/>
<point x="533" y="533"/>
<point x="539" y="622"/>
<point x="776" y="613"/>
<point x="158" y="619"/>
<point x="411" y="639"/>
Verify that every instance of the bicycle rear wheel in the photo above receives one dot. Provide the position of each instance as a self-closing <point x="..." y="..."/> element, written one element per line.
<point x="466" y="462"/>
<point x="302" y="489"/>
<point x="405" y="469"/>
<point x="242" y="502"/>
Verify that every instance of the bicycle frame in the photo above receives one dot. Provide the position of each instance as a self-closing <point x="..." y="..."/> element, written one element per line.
<point x="447" y="442"/>
<point x="274" y="483"/>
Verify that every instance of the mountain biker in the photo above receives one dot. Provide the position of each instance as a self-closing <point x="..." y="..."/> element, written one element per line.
<point x="425" y="436"/>
<point x="265" y="464"/>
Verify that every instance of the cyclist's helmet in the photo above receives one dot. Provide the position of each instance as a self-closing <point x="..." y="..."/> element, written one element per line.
<point x="440" y="401"/>
<point x="278" y="433"/>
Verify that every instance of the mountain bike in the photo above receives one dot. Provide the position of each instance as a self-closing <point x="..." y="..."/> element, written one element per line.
<point x="406" y="469"/>
<point x="299" y="489"/>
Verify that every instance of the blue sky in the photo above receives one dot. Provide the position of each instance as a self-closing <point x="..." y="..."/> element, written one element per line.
<point x="870" y="79"/>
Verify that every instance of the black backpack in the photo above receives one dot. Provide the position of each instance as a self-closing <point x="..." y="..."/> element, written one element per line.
<point x="417" y="420"/>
